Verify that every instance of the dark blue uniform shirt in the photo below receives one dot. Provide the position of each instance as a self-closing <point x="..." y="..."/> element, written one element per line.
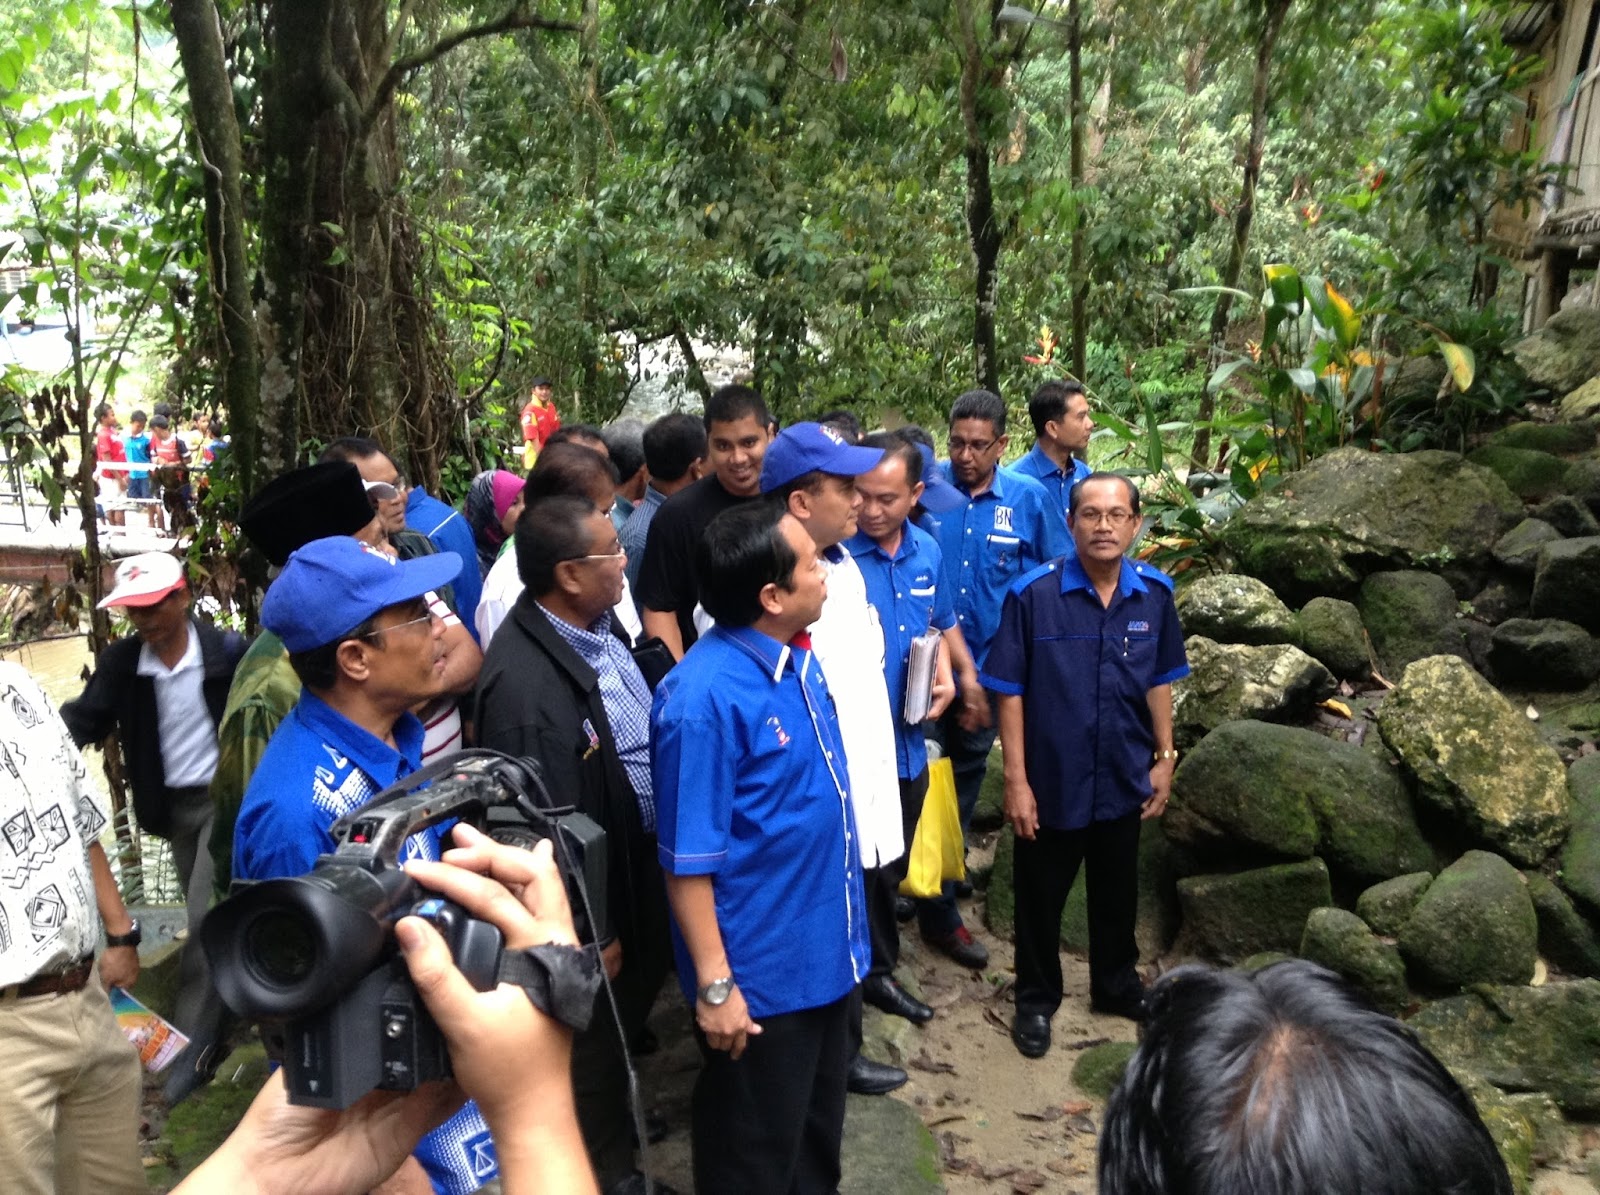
<point x="995" y="538"/>
<point x="908" y="592"/>
<point x="751" y="790"/>
<point x="1083" y="672"/>
<point x="1056" y="482"/>
<point x="448" y="531"/>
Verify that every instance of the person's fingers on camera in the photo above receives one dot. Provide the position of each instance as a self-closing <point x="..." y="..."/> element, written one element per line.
<point x="485" y="898"/>
<point x="443" y="988"/>
<point x="533" y="878"/>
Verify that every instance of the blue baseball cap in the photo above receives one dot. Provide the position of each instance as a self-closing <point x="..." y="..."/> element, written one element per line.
<point x="809" y="448"/>
<point x="331" y="586"/>
<point x="938" y="495"/>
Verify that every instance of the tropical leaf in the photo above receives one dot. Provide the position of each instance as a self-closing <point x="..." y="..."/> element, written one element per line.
<point x="1463" y="365"/>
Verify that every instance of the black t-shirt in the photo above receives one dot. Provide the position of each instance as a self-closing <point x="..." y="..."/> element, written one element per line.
<point x="667" y="579"/>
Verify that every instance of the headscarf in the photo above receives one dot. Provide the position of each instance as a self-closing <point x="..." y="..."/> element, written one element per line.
<point x="491" y="494"/>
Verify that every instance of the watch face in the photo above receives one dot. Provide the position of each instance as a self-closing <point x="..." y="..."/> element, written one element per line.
<point x="717" y="991"/>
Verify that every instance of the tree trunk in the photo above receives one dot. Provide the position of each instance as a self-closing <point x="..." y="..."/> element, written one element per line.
<point x="1271" y="25"/>
<point x="984" y="233"/>
<point x="586" y="154"/>
<point x="199" y="33"/>
<point x="1080" y="283"/>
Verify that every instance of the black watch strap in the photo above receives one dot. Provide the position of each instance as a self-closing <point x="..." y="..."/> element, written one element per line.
<point x="133" y="937"/>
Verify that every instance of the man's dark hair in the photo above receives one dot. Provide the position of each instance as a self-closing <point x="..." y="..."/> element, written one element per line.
<point x="672" y="444"/>
<point x="1286" y="1081"/>
<point x="219" y="428"/>
<point x="577" y="433"/>
<point x="729" y="404"/>
<point x="101" y="410"/>
<point x="624" y="440"/>
<point x="138" y="417"/>
<point x="1049" y="402"/>
<point x="845" y="423"/>
<point x="981" y="404"/>
<point x="550" y="531"/>
<point x="917" y="434"/>
<point x="353" y="449"/>
<point x="741" y="553"/>
<point x="160" y="421"/>
<point x="898" y="444"/>
<point x="318" y="667"/>
<point x="1133" y="490"/>
<point x="164" y="408"/>
<point x="809" y="482"/>
<point x="569" y="469"/>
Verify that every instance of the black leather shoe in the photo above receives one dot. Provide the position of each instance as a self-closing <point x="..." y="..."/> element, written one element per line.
<point x="634" y="1185"/>
<point x="874" y="1078"/>
<point x="1030" y="1033"/>
<point x="883" y="991"/>
<point x="904" y="909"/>
<point x="961" y="946"/>
<point x="1129" y="1005"/>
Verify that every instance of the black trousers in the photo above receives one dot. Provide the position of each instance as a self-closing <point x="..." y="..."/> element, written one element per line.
<point x="883" y="883"/>
<point x="1045" y="870"/>
<point x="772" y="1123"/>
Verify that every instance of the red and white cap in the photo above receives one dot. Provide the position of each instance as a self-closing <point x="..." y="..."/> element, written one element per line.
<point x="144" y="580"/>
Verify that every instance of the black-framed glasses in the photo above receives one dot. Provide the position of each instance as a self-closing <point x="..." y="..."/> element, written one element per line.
<point x="1116" y="517"/>
<point x="979" y="447"/>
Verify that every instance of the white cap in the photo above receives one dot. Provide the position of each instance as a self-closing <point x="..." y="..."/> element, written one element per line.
<point x="144" y="580"/>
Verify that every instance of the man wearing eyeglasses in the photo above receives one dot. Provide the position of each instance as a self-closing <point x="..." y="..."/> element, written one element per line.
<point x="1083" y="664"/>
<point x="559" y="685"/>
<point x="368" y="647"/>
<point x="1004" y="528"/>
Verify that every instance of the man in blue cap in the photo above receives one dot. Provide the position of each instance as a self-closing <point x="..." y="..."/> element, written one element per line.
<point x="367" y="647"/>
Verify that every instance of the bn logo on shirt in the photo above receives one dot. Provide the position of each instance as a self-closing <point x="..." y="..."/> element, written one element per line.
<point x="1002" y="518"/>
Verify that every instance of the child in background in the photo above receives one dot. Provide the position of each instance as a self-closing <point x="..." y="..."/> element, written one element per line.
<point x="137" y="446"/>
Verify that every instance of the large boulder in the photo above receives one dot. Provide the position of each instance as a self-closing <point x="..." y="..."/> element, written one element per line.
<point x="1252" y="793"/>
<point x="1474" y="924"/>
<point x="1410" y="615"/>
<point x="1234" y="608"/>
<point x="1523" y="1039"/>
<point x="1476" y="759"/>
<point x="1518" y="549"/>
<point x="1231" y="917"/>
<point x="1566" y="582"/>
<point x="1583" y="478"/>
<point x="1331" y="633"/>
<point x="1566" y="937"/>
<point x="1565" y="353"/>
<point x="1531" y="475"/>
<point x="1387" y="906"/>
<point x="1580" y="856"/>
<point x="1544" y="653"/>
<point x="1354" y="512"/>
<point x="1342" y="942"/>
<point x="1500" y="600"/>
<point x="1228" y="682"/>
<point x="1582" y="403"/>
<point x="1569" y="515"/>
<point x="1548" y="437"/>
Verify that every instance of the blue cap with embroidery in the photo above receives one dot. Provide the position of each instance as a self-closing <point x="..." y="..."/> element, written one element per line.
<point x="938" y="495"/>
<point x="812" y="448"/>
<point x="331" y="586"/>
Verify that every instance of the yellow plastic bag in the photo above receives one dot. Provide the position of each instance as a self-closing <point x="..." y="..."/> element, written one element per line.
<point x="938" y="852"/>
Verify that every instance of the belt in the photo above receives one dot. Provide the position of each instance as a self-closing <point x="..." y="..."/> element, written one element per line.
<point x="73" y="979"/>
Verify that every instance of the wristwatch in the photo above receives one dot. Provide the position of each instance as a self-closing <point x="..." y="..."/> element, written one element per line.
<point x="717" y="991"/>
<point x="1161" y="755"/>
<point x="132" y="938"/>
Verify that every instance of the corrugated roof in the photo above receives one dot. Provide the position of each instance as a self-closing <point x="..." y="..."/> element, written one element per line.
<point x="1524" y="23"/>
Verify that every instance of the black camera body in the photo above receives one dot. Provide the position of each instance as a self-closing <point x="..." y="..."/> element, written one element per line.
<point x="313" y="957"/>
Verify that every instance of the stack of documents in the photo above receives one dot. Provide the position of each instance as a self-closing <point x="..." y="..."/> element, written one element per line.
<point x="920" y="670"/>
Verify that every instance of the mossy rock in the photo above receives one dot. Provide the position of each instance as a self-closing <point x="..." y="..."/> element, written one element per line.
<point x="1099" y="1068"/>
<point x="1583" y="402"/>
<point x="1410" y="615"/>
<point x="1477" y="759"/>
<point x="1565" y="352"/>
<point x="1510" y="1127"/>
<point x="1343" y="943"/>
<point x="1566" y="582"/>
<point x="1566" y="937"/>
<point x="1558" y="438"/>
<point x="990" y="811"/>
<point x="1503" y="598"/>
<point x="1569" y="515"/>
<point x="1386" y="907"/>
<point x="1262" y="960"/>
<point x="1474" y="924"/>
<point x="1547" y="654"/>
<point x="1523" y="1039"/>
<point x="1234" y="608"/>
<point x="1583" y="478"/>
<point x="1331" y="632"/>
<point x="1580" y="855"/>
<point x="1253" y="792"/>
<point x="1529" y="474"/>
<point x="1518" y="549"/>
<point x="887" y="1148"/>
<point x="1230" y="682"/>
<point x="199" y="1124"/>
<point x="1230" y="917"/>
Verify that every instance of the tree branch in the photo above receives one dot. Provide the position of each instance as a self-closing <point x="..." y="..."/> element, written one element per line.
<point x="514" y="18"/>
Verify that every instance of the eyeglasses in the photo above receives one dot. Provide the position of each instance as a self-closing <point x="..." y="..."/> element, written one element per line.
<point x="1093" y="517"/>
<point x="619" y="554"/>
<point x="399" y="626"/>
<point x="979" y="447"/>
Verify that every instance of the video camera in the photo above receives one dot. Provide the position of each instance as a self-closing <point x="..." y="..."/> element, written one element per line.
<point x="313" y="957"/>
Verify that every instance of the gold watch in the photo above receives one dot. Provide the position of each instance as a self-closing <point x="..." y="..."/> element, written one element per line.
<point x="1163" y="755"/>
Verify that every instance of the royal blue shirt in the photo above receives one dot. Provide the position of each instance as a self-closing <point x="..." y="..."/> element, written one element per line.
<point x="1056" y="482"/>
<point x="1084" y="673"/>
<point x="751" y="790"/>
<point x="908" y="592"/>
<point x="995" y="538"/>
<point x="318" y="767"/>
<point x="447" y="530"/>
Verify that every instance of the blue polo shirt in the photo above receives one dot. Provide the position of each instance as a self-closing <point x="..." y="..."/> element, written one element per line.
<point x="751" y="790"/>
<point x="318" y="767"/>
<point x="1004" y="532"/>
<point x="1056" y="482"/>
<point x="447" y="529"/>
<point x="908" y="592"/>
<point x="1083" y="672"/>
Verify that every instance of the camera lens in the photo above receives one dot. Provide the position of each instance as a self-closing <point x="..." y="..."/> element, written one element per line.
<point x="281" y="948"/>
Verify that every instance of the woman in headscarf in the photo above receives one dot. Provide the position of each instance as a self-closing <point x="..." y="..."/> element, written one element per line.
<point x="491" y="507"/>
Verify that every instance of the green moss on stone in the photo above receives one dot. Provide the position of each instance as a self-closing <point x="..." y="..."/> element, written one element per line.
<point x="1331" y="631"/>
<point x="1580" y="856"/>
<point x="1386" y="907"/>
<point x="1342" y="942"/>
<point x="1474" y="924"/>
<point x="1099" y="1068"/>
<point x="1547" y="437"/>
<point x="1530" y="474"/>
<point x="1230" y="917"/>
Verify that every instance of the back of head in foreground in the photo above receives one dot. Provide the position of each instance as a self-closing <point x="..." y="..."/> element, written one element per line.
<point x="1286" y="1081"/>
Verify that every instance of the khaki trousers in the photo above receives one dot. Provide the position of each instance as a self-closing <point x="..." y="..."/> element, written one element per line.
<point x="69" y="1097"/>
